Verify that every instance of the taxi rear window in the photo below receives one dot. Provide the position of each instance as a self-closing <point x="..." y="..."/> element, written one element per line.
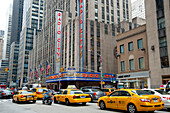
<point x="42" y="90"/>
<point x="26" y="92"/>
<point x="161" y="92"/>
<point x="141" y="92"/>
<point x="105" y="90"/>
<point x="76" y="92"/>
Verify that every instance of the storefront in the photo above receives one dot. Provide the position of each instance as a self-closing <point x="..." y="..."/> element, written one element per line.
<point x="79" y="79"/>
<point x="135" y="80"/>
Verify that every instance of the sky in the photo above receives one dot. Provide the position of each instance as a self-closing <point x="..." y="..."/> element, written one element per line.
<point x="4" y="5"/>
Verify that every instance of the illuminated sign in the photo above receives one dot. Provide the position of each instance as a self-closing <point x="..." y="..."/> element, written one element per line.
<point x="58" y="36"/>
<point x="81" y="32"/>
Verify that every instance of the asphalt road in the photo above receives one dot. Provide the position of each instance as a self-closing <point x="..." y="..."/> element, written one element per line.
<point x="6" y="106"/>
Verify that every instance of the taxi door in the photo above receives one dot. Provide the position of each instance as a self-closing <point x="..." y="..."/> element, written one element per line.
<point x="112" y="100"/>
<point x="123" y="99"/>
<point x="63" y="96"/>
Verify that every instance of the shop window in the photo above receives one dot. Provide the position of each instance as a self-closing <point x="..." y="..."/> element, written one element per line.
<point x="141" y="63"/>
<point x="164" y="62"/>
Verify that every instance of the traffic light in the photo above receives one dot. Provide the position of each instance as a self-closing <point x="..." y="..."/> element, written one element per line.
<point x="7" y="69"/>
<point x="62" y="69"/>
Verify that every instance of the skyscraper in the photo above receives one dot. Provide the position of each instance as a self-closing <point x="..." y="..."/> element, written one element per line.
<point x="16" y="20"/>
<point x="101" y="18"/>
<point x="32" y="23"/>
<point x="138" y="9"/>
<point x="158" y="27"/>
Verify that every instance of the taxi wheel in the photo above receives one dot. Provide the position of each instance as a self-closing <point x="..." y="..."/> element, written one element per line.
<point x="67" y="102"/>
<point x="55" y="100"/>
<point x="84" y="103"/>
<point x="131" y="108"/>
<point x="168" y="109"/>
<point x="102" y="105"/>
<point x="18" y="101"/>
<point x="34" y="101"/>
<point x="13" y="100"/>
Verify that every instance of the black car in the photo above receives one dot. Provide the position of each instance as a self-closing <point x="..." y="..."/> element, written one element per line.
<point x="6" y="94"/>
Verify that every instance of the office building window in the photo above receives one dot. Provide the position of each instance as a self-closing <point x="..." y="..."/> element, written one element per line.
<point x="122" y="48"/>
<point x="122" y="66"/>
<point x="131" y="64"/>
<point x="130" y="45"/>
<point x="141" y="63"/>
<point x="140" y="44"/>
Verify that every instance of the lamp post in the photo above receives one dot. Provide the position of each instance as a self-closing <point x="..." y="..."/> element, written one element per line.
<point x="101" y="77"/>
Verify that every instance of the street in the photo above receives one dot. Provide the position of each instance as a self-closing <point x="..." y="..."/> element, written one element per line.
<point x="6" y="106"/>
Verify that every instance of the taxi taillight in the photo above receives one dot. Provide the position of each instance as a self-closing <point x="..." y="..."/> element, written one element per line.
<point x="38" y="92"/>
<point x="89" y="96"/>
<point x="145" y="100"/>
<point x="36" y="95"/>
<point x="110" y="92"/>
<point x="12" y="92"/>
<point x="95" y="93"/>
<point x="74" y="96"/>
<point x="22" y="96"/>
<point x="3" y="93"/>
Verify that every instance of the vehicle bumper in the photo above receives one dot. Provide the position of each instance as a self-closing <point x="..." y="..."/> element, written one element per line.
<point x="166" y="105"/>
<point x="40" y="96"/>
<point x="27" y="99"/>
<point x="150" y="107"/>
<point x="80" y="100"/>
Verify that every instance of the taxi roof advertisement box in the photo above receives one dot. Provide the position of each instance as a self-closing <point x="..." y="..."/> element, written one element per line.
<point x="58" y="36"/>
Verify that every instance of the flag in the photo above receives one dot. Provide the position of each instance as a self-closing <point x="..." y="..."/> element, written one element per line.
<point x="31" y="73"/>
<point x="48" y="67"/>
<point x="41" y="68"/>
<point x="36" y="73"/>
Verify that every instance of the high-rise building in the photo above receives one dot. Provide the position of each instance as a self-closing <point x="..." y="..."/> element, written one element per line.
<point x="157" y="28"/>
<point x="16" y="20"/>
<point x="1" y="33"/>
<point x="101" y="17"/>
<point x="1" y="47"/>
<point x="8" y="33"/>
<point x="3" y="74"/>
<point x="138" y="9"/>
<point x="13" y="64"/>
<point x="32" y="23"/>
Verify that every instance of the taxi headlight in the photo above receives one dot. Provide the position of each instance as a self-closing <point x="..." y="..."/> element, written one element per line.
<point x="145" y="100"/>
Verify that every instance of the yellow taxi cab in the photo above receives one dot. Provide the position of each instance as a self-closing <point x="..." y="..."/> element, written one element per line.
<point x="72" y="96"/>
<point x="131" y="100"/>
<point x="39" y="92"/>
<point x="24" y="95"/>
<point x="108" y="90"/>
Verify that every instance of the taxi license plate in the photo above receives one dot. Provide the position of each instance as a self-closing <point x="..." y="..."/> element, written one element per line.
<point x="83" y="97"/>
<point x="29" y="96"/>
<point x="155" y="101"/>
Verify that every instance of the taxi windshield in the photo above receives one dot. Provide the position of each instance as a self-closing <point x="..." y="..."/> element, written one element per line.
<point x="161" y="92"/>
<point x="76" y="92"/>
<point x="26" y="92"/>
<point x="141" y="92"/>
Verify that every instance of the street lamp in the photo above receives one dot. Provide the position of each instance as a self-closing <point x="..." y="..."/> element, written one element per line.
<point x="101" y="79"/>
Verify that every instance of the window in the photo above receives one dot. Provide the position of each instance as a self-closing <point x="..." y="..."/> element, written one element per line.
<point x="141" y="63"/>
<point x="122" y="66"/>
<point x="65" y="92"/>
<point x="140" y="44"/>
<point x="131" y="64"/>
<point x="130" y="44"/>
<point x="124" y="93"/>
<point x="122" y="48"/>
<point x="116" y="93"/>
